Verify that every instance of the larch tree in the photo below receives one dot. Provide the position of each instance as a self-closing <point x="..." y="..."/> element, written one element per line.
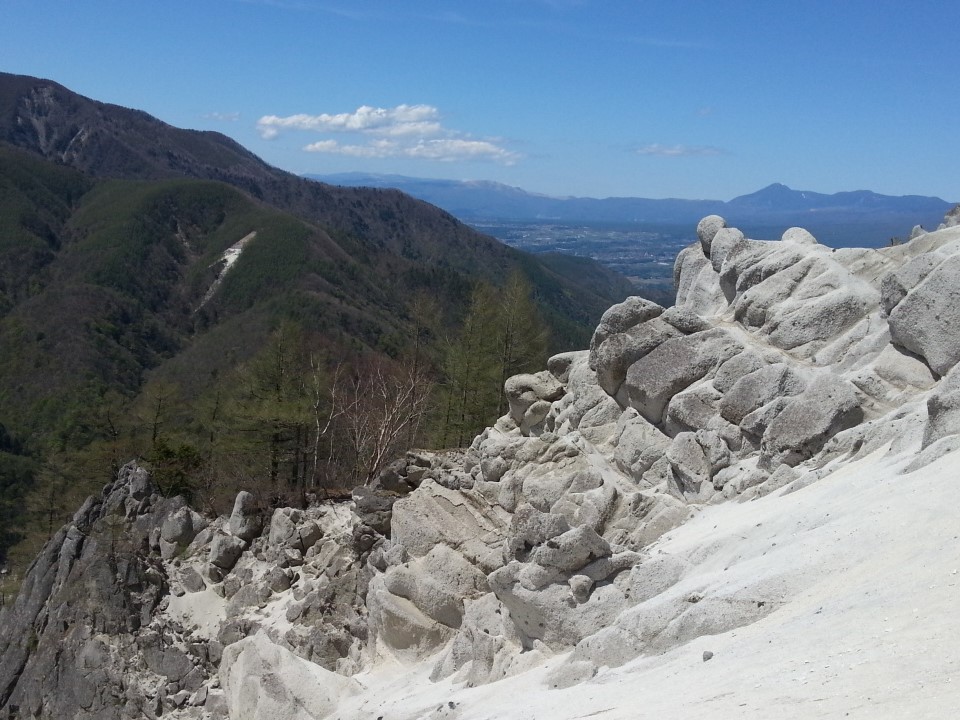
<point x="521" y="336"/>
<point x="502" y="335"/>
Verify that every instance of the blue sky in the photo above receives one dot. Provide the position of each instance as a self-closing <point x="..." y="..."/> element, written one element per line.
<point x="688" y="98"/>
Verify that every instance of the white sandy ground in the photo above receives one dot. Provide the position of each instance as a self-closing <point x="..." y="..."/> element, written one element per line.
<point x="866" y="563"/>
<point x="202" y="611"/>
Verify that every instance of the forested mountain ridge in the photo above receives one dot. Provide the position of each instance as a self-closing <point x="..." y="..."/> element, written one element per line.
<point x="116" y="305"/>
<point x="385" y="228"/>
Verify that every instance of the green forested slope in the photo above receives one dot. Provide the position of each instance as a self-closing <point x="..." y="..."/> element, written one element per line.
<point x="113" y="227"/>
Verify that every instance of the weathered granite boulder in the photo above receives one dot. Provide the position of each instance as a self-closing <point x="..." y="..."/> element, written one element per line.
<point x="614" y="356"/>
<point x="798" y="236"/>
<point x="726" y="243"/>
<point x="225" y="550"/>
<point x="374" y="507"/>
<point x="943" y="409"/>
<point x="692" y="409"/>
<point x="696" y="283"/>
<point x="895" y="285"/>
<point x="530" y="397"/>
<point x="673" y="366"/>
<point x="264" y="681"/>
<point x="559" y="567"/>
<point x="707" y="230"/>
<point x="460" y="519"/>
<point x="291" y="529"/>
<point x="738" y="366"/>
<point x="488" y="647"/>
<point x="397" y="623"/>
<point x="438" y="583"/>
<point x="756" y="389"/>
<point x="245" y="520"/>
<point x="926" y="319"/>
<point x="638" y="444"/>
<point x="621" y="317"/>
<point x="807" y="421"/>
<point x="684" y="320"/>
<point x="178" y="530"/>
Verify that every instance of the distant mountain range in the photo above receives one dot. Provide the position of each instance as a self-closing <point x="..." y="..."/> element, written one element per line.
<point x="773" y="206"/>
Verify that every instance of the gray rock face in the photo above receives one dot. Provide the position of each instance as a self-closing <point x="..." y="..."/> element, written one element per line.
<point x="895" y="285"/>
<point x="684" y="320"/>
<point x="375" y="509"/>
<point x="756" y="389"/>
<point x="558" y="566"/>
<point x="91" y="582"/>
<point x="638" y="444"/>
<point x="463" y="520"/>
<point x="291" y="534"/>
<point x="697" y="284"/>
<point x="179" y="530"/>
<point x="489" y="646"/>
<point x="726" y="243"/>
<point x="419" y="603"/>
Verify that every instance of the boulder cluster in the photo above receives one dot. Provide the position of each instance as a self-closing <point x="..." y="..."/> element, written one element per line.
<point x="779" y="359"/>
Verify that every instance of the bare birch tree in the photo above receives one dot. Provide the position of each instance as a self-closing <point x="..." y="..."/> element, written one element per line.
<point x="385" y="405"/>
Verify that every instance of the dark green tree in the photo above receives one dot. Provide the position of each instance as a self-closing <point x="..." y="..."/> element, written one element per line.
<point x="502" y="335"/>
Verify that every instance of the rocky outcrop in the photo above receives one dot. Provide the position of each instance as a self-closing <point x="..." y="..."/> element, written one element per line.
<point x="781" y="361"/>
<point x="111" y="624"/>
<point x="777" y="355"/>
<point x="80" y="627"/>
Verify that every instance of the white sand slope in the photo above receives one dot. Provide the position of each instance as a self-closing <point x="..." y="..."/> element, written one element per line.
<point x="229" y="257"/>
<point x="864" y="567"/>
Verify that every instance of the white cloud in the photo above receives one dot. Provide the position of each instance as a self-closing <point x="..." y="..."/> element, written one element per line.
<point x="422" y="120"/>
<point x="448" y="149"/>
<point x="442" y="150"/>
<point x="223" y="117"/>
<point x="411" y="131"/>
<point x="374" y="149"/>
<point x="678" y="150"/>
